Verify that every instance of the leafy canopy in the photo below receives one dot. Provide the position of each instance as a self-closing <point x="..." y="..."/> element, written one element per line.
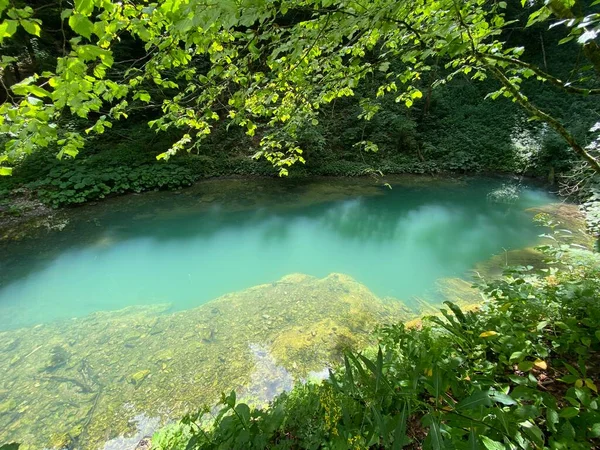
<point x="271" y="65"/>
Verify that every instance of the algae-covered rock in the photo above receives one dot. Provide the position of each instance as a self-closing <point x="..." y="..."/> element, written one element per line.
<point x="137" y="378"/>
<point x="59" y="356"/>
<point x="144" y="444"/>
<point x="7" y="405"/>
<point x="61" y="440"/>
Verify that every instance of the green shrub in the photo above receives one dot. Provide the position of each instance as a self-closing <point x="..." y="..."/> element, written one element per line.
<point x="72" y="185"/>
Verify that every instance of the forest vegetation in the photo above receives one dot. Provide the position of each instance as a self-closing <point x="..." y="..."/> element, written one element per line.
<point x="102" y="98"/>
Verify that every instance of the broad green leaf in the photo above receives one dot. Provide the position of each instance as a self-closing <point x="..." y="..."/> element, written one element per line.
<point x="501" y="397"/>
<point x="490" y="444"/>
<point x="244" y="412"/>
<point x="143" y="96"/>
<point x="534" y="433"/>
<point x="7" y="28"/>
<point x="26" y="89"/>
<point x="478" y="398"/>
<point x="525" y="366"/>
<point x="31" y="27"/>
<point x="590" y="384"/>
<point x="11" y="446"/>
<point x="552" y="419"/>
<point x="81" y="25"/>
<point x="4" y="171"/>
<point x="516" y="357"/>
<point x="84" y="7"/>
<point x="568" y="412"/>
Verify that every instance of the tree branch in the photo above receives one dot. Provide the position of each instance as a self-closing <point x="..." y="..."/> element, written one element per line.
<point x="535" y="112"/>
<point x="540" y="73"/>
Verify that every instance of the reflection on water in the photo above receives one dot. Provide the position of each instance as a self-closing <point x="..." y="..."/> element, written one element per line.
<point x="108" y="377"/>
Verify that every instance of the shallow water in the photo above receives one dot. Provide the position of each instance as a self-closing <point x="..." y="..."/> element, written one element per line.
<point x="111" y="327"/>
<point x="184" y="252"/>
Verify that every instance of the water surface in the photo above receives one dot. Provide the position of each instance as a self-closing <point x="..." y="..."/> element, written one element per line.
<point x="187" y="249"/>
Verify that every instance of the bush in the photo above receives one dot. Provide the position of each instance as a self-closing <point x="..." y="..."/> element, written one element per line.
<point x="75" y="184"/>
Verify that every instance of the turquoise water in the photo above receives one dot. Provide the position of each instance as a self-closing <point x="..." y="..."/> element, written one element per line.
<point x="189" y="248"/>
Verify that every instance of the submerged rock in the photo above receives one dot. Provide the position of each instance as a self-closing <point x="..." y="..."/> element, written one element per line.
<point x="58" y="358"/>
<point x="144" y="444"/>
<point x="137" y="378"/>
<point x="259" y="341"/>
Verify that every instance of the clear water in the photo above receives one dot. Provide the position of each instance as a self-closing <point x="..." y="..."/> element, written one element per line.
<point x="189" y="248"/>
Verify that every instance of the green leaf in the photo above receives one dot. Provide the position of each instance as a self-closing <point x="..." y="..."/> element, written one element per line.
<point x="5" y="171"/>
<point x="534" y="433"/>
<point x="144" y="96"/>
<point x="479" y="398"/>
<point x="31" y="27"/>
<point x="501" y="397"/>
<point x="81" y="25"/>
<point x="30" y="89"/>
<point x="525" y="366"/>
<point x="84" y="7"/>
<point x="528" y="73"/>
<point x="435" y="435"/>
<point x="552" y="419"/>
<point x="473" y="443"/>
<point x="230" y="399"/>
<point x="379" y="368"/>
<point x="516" y="357"/>
<point x="569" y="412"/>
<point x="384" y="66"/>
<point x="243" y="411"/>
<point x="400" y="437"/>
<point x="490" y="444"/>
<point x="348" y="372"/>
<point x="11" y="446"/>
<point x="8" y="28"/>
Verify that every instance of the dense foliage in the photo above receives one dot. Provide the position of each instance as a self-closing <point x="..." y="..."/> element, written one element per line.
<point x="273" y="68"/>
<point x="519" y="373"/>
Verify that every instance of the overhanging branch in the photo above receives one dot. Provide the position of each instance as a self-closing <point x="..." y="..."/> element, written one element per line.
<point x="540" y="73"/>
<point x="536" y="112"/>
